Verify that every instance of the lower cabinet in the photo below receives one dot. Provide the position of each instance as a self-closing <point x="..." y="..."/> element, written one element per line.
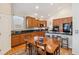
<point x="17" y="40"/>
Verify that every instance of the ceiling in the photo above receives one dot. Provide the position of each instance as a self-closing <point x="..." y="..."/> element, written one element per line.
<point x="39" y="10"/>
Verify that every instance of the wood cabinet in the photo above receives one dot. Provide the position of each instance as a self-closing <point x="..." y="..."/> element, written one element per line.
<point x="58" y="22"/>
<point x="35" y="23"/>
<point x="32" y="22"/>
<point x="22" y="37"/>
<point x="43" y="22"/>
<point x="19" y="39"/>
<point x="15" y="40"/>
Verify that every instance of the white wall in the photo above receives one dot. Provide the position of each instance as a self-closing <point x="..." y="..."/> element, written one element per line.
<point x="49" y="24"/>
<point x="75" y="41"/>
<point x="5" y="28"/>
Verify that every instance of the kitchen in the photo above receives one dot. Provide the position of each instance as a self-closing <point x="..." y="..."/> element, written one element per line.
<point x="48" y="22"/>
<point x="60" y="27"/>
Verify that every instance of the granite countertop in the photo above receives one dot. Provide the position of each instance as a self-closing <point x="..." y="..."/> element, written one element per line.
<point x="63" y="33"/>
<point x="24" y="32"/>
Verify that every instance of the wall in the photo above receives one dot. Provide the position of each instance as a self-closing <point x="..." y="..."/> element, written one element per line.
<point x="75" y="41"/>
<point x="5" y="28"/>
<point x="49" y="24"/>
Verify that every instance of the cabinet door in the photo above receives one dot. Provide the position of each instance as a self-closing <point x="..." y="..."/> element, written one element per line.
<point x="22" y="38"/>
<point x="15" y="40"/>
<point x="30" y="22"/>
<point x="33" y="24"/>
<point x="68" y="20"/>
<point x="54" y="22"/>
<point x="44" y="23"/>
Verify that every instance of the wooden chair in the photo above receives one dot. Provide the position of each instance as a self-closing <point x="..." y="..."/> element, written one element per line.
<point x="28" y="45"/>
<point x="55" y="47"/>
<point x="54" y="52"/>
<point x="57" y="51"/>
<point x="41" y="48"/>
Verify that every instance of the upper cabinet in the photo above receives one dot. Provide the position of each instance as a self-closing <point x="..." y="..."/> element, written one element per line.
<point x="60" y="21"/>
<point x="29" y="22"/>
<point x="43" y="23"/>
<point x="33" y="22"/>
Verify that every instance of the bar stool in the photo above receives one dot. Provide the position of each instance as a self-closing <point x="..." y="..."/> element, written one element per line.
<point x="52" y="36"/>
<point x="64" y="43"/>
<point x="56" y="37"/>
<point x="59" y="38"/>
<point x="48" y="36"/>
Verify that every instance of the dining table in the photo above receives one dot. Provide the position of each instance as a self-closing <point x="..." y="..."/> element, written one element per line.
<point x="51" y="44"/>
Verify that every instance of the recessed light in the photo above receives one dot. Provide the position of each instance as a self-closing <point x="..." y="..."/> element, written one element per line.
<point x="42" y="16"/>
<point x="36" y="7"/>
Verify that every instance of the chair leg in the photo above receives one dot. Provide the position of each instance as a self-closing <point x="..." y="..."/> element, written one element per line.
<point x="30" y="49"/>
<point x="67" y="44"/>
<point x="26" y="47"/>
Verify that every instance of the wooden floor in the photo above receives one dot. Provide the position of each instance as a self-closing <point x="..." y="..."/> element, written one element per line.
<point x="20" y="49"/>
<point x="65" y="51"/>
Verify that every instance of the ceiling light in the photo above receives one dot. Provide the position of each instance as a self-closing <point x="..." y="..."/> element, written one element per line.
<point x="41" y="16"/>
<point x="36" y="7"/>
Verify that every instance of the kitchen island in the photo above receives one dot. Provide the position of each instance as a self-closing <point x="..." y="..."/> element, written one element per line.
<point x="63" y="35"/>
